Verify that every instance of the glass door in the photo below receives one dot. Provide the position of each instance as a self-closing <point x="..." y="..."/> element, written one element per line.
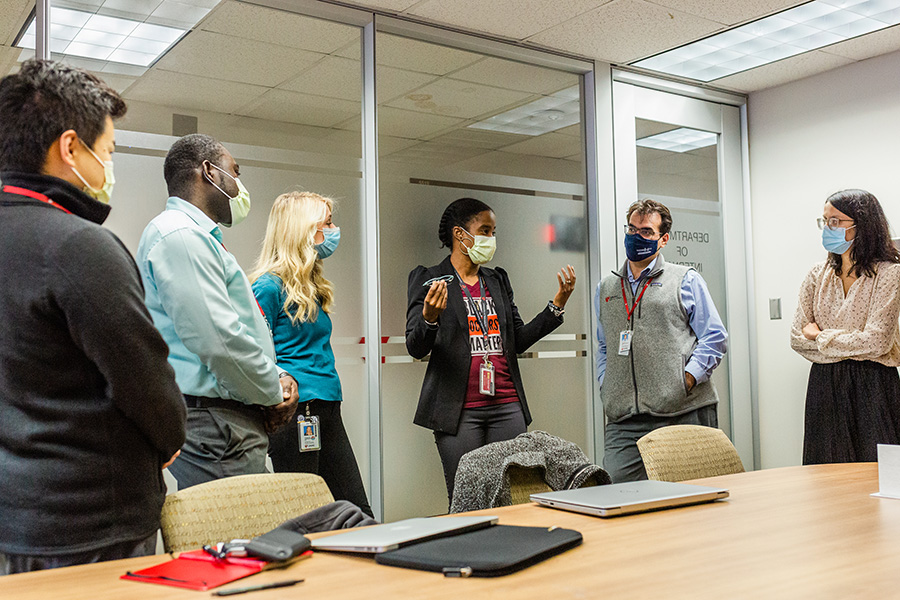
<point x="685" y="153"/>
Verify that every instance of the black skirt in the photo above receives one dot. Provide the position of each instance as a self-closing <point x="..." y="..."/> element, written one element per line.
<point x="851" y="407"/>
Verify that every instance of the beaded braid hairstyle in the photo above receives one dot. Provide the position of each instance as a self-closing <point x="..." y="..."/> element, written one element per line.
<point x="459" y="214"/>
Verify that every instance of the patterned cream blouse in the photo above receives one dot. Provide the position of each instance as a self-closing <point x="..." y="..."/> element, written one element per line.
<point x="861" y="326"/>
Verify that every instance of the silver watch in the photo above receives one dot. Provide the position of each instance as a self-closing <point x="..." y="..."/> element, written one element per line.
<point x="557" y="311"/>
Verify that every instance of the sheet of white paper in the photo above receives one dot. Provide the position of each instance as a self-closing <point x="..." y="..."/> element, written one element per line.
<point x="888" y="471"/>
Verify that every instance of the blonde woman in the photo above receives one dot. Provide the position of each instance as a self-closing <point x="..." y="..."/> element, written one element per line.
<point x="296" y="299"/>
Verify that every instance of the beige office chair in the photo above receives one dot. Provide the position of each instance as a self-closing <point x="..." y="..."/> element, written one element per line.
<point x="238" y="507"/>
<point x="524" y="481"/>
<point x="680" y="452"/>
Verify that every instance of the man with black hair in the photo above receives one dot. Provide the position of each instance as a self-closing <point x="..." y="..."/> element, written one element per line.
<point x="89" y="408"/>
<point x="201" y="301"/>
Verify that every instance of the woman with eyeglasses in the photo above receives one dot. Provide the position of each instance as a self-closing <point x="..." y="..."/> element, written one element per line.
<point x="464" y="315"/>
<point x="846" y="325"/>
<point x="296" y="299"/>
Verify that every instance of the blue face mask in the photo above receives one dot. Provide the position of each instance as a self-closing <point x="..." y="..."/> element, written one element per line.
<point x="638" y="249"/>
<point x="330" y="243"/>
<point x="833" y="240"/>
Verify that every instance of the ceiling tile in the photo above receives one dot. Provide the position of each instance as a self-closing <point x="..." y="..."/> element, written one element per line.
<point x="479" y="138"/>
<point x="517" y="19"/>
<point x="626" y="30"/>
<point x="571" y="130"/>
<point x="513" y="75"/>
<point x="388" y="144"/>
<point x="415" y="55"/>
<point x="278" y="27"/>
<point x="729" y="13"/>
<point x="553" y="145"/>
<point x="392" y="82"/>
<point x="180" y="91"/>
<point x="13" y="14"/>
<point x="674" y="163"/>
<point x="291" y="107"/>
<point x="458" y="99"/>
<point x="8" y="60"/>
<point x="433" y="154"/>
<point x="120" y="83"/>
<point x="867" y="46"/>
<point x="783" y="71"/>
<point x="332" y="76"/>
<point x="235" y="59"/>
<point x="391" y="5"/>
<point x="137" y="8"/>
<point x="177" y="14"/>
<point x="412" y="125"/>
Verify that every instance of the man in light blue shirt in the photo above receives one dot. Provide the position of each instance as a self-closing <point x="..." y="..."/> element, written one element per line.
<point x="201" y="302"/>
<point x="668" y="338"/>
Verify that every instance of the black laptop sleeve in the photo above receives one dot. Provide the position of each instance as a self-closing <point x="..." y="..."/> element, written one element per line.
<point x="488" y="552"/>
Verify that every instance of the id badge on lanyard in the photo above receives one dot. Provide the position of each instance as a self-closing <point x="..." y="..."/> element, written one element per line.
<point x="486" y="379"/>
<point x="486" y="372"/>
<point x="308" y="432"/>
<point x="626" y="335"/>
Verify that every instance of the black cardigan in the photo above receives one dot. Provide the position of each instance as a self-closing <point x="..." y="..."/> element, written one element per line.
<point x="89" y="408"/>
<point x="447" y="376"/>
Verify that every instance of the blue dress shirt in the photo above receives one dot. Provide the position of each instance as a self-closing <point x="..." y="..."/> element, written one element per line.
<point x="201" y="302"/>
<point x="703" y="318"/>
<point x="303" y="349"/>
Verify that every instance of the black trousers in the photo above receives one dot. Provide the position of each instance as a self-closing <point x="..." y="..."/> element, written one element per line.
<point x="477" y="427"/>
<point x="335" y="462"/>
<point x="851" y="407"/>
<point x="23" y="563"/>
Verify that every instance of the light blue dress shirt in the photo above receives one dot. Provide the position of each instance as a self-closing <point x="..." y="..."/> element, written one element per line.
<point x="703" y="318"/>
<point x="202" y="304"/>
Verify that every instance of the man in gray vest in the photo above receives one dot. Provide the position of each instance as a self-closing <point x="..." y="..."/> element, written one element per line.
<point x="666" y="338"/>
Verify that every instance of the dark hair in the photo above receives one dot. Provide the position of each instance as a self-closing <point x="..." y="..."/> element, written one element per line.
<point x="186" y="156"/>
<point x="647" y="207"/>
<point x="42" y="101"/>
<point x="872" y="243"/>
<point x="459" y="214"/>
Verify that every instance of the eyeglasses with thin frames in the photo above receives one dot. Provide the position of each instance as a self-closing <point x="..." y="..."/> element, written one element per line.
<point x="832" y="223"/>
<point x="645" y="232"/>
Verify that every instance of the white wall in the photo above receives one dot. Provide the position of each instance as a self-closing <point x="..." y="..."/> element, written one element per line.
<point x="808" y="139"/>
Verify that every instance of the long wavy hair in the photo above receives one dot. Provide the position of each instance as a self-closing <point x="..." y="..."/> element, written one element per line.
<point x="289" y="251"/>
<point x="872" y="243"/>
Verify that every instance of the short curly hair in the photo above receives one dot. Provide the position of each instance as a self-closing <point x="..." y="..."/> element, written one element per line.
<point x="646" y="207"/>
<point x="42" y="101"/>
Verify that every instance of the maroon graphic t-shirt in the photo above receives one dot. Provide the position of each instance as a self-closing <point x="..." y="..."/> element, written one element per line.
<point x="505" y="390"/>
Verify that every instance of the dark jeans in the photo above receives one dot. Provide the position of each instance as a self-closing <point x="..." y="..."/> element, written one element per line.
<point x="23" y="563"/>
<point x="221" y="442"/>
<point x="335" y="462"/>
<point x="477" y="427"/>
<point x="621" y="457"/>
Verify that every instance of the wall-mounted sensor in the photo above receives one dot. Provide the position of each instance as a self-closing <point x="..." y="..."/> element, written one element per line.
<point x="774" y="308"/>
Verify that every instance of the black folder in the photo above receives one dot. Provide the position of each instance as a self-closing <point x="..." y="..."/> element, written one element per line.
<point x="489" y="552"/>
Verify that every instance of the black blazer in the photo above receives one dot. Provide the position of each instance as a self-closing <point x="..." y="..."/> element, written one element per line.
<point x="447" y="376"/>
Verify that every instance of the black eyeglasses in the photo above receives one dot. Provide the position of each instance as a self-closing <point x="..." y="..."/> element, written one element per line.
<point x="645" y="232"/>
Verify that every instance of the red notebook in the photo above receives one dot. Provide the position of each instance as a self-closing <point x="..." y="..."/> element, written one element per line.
<point x="197" y="570"/>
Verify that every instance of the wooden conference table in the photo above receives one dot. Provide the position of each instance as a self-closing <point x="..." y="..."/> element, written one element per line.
<point x="798" y="532"/>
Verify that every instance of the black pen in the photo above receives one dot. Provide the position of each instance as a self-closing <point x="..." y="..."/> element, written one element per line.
<point x="254" y="588"/>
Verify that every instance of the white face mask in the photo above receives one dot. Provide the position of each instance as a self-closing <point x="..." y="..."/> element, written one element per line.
<point x="240" y="204"/>
<point x="104" y="194"/>
<point x="482" y="250"/>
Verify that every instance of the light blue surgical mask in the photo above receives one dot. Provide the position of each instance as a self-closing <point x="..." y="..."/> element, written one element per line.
<point x="833" y="239"/>
<point x="330" y="243"/>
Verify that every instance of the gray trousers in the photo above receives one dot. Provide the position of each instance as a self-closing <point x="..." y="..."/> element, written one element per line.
<point x="621" y="457"/>
<point x="221" y="442"/>
<point x="24" y="563"/>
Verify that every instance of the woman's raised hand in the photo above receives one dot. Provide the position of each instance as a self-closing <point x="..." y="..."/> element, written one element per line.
<point x="566" y="278"/>
<point x="435" y="301"/>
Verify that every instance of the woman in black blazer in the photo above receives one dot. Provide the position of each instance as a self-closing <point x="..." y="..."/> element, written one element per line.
<point x="472" y="396"/>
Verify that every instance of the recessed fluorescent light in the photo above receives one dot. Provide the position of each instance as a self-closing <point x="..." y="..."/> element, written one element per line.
<point x="539" y="117"/>
<point x="795" y="31"/>
<point x="683" y="139"/>
<point x="86" y="35"/>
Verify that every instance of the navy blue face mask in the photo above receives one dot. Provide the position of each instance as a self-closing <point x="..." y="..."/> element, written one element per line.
<point x="638" y="249"/>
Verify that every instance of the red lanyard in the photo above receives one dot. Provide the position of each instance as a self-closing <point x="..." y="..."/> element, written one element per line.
<point x="636" y="302"/>
<point x="9" y="189"/>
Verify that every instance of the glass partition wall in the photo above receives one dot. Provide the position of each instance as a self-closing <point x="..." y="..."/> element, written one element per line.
<point x="296" y="89"/>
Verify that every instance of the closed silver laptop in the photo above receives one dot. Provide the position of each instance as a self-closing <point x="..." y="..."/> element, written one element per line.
<point x="627" y="498"/>
<point x="390" y="536"/>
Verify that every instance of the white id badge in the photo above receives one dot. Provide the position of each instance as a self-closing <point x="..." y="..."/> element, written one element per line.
<point x="486" y="381"/>
<point x="625" y="342"/>
<point x="308" y="433"/>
